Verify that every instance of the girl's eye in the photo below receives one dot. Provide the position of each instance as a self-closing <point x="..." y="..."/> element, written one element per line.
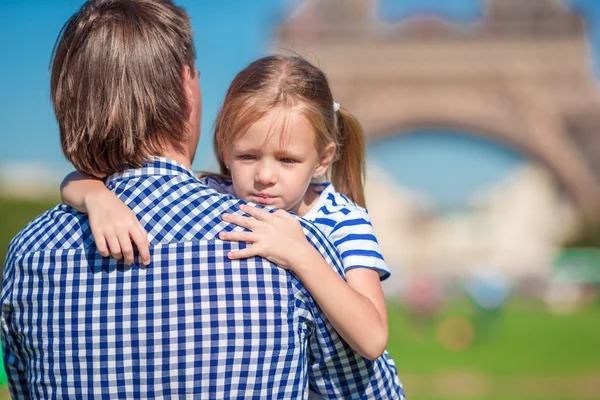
<point x="246" y="157"/>
<point x="287" y="160"/>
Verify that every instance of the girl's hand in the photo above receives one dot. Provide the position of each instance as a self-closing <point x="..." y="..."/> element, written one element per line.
<point x="276" y="236"/>
<point x="115" y="225"/>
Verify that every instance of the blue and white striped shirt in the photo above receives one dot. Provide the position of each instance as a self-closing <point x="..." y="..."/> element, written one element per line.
<point x="345" y="224"/>
<point x="348" y="227"/>
<point x="191" y="325"/>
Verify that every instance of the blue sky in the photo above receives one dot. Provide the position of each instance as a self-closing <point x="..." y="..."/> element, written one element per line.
<point x="228" y="35"/>
<point x="450" y="166"/>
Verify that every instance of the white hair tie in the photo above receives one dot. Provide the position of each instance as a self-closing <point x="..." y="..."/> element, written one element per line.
<point x="336" y="106"/>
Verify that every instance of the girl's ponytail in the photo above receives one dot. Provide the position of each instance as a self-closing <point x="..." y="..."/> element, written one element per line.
<point x="348" y="172"/>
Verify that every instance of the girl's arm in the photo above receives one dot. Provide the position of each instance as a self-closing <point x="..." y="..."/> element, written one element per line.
<point x="113" y="224"/>
<point x="355" y="308"/>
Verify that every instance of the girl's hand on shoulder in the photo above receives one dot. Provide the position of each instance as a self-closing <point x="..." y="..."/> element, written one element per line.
<point x="114" y="226"/>
<point x="276" y="236"/>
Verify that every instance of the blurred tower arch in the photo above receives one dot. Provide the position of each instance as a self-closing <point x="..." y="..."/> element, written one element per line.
<point x="334" y="18"/>
<point x="521" y="75"/>
<point x="513" y="10"/>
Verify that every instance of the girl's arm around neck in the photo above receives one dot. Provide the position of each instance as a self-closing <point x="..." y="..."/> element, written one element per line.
<point x="76" y="190"/>
<point x="114" y="226"/>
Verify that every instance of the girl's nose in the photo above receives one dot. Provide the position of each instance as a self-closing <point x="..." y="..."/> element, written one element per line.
<point x="265" y="174"/>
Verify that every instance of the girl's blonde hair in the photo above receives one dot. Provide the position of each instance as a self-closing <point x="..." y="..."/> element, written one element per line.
<point x="291" y="81"/>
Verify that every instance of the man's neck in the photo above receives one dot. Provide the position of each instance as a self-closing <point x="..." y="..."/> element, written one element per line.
<point x="183" y="159"/>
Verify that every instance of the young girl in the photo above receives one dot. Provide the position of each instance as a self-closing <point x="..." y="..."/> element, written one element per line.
<point x="277" y="135"/>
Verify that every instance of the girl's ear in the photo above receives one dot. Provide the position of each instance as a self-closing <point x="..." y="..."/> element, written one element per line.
<point x="325" y="160"/>
<point x="226" y="160"/>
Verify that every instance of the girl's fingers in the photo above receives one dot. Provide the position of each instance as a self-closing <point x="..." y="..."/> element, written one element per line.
<point x="126" y="248"/>
<point x="244" y="253"/>
<point x="144" y="232"/>
<point x="238" y="220"/>
<point x="140" y="238"/>
<point x="101" y="245"/>
<point x="281" y="214"/>
<point x="114" y="246"/>
<point x="237" y="236"/>
<point x="258" y="213"/>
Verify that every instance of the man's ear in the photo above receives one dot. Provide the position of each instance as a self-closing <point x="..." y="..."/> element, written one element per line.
<point x="187" y="86"/>
<point x="325" y="160"/>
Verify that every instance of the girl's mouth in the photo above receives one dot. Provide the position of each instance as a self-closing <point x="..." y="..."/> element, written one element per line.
<point x="263" y="198"/>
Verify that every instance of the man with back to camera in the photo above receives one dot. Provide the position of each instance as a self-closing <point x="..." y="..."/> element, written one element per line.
<point x="193" y="324"/>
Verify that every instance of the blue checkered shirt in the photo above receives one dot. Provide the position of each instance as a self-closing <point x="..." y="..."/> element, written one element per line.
<point x="193" y="324"/>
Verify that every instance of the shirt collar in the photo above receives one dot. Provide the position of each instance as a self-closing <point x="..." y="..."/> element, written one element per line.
<point x="155" y="166"/>
<point x="325" y="188"/>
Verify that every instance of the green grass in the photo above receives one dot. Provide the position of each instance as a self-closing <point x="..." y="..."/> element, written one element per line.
<point x="529" y="354"/>
<point x="526" y="340"/>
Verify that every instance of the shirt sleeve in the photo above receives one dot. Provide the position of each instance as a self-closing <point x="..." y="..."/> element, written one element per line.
<point x="355" y="240"/>
<point x="11" y="347"/>
<point x="13" y="363"/>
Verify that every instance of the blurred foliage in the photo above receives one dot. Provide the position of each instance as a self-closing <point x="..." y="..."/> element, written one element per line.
<point x="15" y="213"/>
<point x="587" y="236"/>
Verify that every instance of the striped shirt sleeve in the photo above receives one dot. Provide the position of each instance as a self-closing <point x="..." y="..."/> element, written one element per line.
<point x="355" y="240"/>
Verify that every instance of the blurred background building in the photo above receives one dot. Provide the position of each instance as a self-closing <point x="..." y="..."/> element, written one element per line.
<point x="502" y="115"/>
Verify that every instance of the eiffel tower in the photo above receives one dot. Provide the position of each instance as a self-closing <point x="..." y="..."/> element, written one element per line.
<point x="520" y="75"/>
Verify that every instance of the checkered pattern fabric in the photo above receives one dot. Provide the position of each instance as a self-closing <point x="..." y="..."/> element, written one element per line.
<point x="193" y="324"/>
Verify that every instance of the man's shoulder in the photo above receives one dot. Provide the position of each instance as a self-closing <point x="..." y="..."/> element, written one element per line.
<point x="155" y="190"/>
<point x="175" y="208"/>
<point x="59" y="227"/>
<point x="175" y="188"/>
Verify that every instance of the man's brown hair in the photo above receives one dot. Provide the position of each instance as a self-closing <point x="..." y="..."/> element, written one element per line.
<point x="117" y="83"/>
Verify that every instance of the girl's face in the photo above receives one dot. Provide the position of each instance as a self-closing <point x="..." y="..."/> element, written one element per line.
<point x="273" y="163"/>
